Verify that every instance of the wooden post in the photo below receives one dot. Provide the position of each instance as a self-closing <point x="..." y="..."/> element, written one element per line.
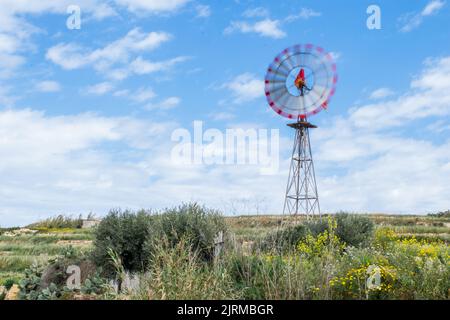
<point x="218" y="244"/>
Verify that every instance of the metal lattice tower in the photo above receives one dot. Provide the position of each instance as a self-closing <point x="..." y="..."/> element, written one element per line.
<point x="299" y="84"/>
<point x="301" y="191"/>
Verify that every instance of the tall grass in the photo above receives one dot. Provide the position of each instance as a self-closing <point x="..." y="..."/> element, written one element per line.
<point x="178" y="272"/>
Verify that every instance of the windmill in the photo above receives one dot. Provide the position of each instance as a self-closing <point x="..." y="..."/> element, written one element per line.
<point x="299" y="84"/>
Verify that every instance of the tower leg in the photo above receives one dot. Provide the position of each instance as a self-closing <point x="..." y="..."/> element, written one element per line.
<point x="301" y="191"/>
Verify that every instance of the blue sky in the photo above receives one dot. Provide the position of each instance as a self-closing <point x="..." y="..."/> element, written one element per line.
<point x="86" y="116"/>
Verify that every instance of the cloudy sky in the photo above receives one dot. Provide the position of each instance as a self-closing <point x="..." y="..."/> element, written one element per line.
<point x="87" y="115"/>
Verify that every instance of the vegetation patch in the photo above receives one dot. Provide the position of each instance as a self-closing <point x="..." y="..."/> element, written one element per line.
<point x="171" y="253"/>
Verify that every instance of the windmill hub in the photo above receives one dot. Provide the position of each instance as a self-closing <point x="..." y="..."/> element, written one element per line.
<point x="299" y="84"/>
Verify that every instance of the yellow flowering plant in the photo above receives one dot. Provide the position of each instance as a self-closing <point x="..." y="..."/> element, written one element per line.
<point x="325" y="242"/>
<point x="356" y="283"/>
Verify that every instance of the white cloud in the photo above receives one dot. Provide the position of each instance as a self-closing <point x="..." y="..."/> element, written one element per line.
<point x="6" y="99"/>
<point x="14" y="41"/>
<point x="97" y="8"/>
<point x="102" y="11"/>
<point x="119" y="59"/>
<point x="166" y="104"/>
<point x="71" y="164"/>
<point x="304" y="14"/>
<point x="48" y="86"/>
<point x="411" y="21"/>
<point x="52" y="164"/>
<point x="143" y="95"/>
<point x="265" y="28"/>
<point x="245" y="87"/>
<point x="68" y="56"/>
<point x="9" y="63"/>
<point x="99" y="89"/>
<point x="16" y="32"/>
<point x="433" y="7"/>
<point x="428" y="96"/>
<point x="153" y="6"/>
<point x="141" y="66"/>
<point x="381" y="93"/>
<point x="439" y="126"/>
<point x="71" y="56"/>
<point x="379" y="170"/>
<point x="256" y="12"/>
<point x="203" y="11"/>
<point x="121" y="93"/>
<point x="222" y="116"/>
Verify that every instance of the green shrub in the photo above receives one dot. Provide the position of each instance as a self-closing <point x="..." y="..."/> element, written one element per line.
<point x="125" y="233"/>
<point x="283" y="239"/>
<point x="196" y="224"/>
<point x="286" y="239"/>
<point x="58" y="222"/>
<point x="8" y="283"/>
<point x="132" y="237"/>
<point x="355" y="230"/>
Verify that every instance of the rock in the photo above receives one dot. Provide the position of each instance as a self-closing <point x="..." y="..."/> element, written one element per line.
<point x="90" y="223"/>
<point x="57" y="273"/>
<point x="54" y="273"/>
<point x="13" y="293"/>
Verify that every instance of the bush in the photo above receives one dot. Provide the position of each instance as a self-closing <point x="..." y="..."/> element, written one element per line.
<point x="131" y="238"/>
<point x="355" y="230"/>
<point x="125" y="233"/>
<point x="286" y="239"/>
<point x="58" y="222"/>
<point x="196" y="224"/>
<point x="283" y="239"/>
<point x="8" y="283"/>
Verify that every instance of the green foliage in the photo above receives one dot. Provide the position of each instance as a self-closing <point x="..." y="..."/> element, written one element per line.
<point x="441" y="214"/>
<point x="131" y="238"/>
<point x="8" y="283"/>
<point x="301" y="261"/>
<point x="125" y="233"/>
<point x="283" y="239"/>
<point x="286" y="238"/>
<point x="95" y="285"/>
<point x="179" y="272"/>
<point x="197" y="225"/>
<point x="30" y="284"/>
<point x="317" y="226"/>
<point x="58" y="222"/>
<point x="355" y="230"/>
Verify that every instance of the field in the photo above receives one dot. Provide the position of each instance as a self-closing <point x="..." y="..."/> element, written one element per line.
<point x="251" y="228"/>
<point x="416" y="237"/>
<point x="18" y="251"/>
